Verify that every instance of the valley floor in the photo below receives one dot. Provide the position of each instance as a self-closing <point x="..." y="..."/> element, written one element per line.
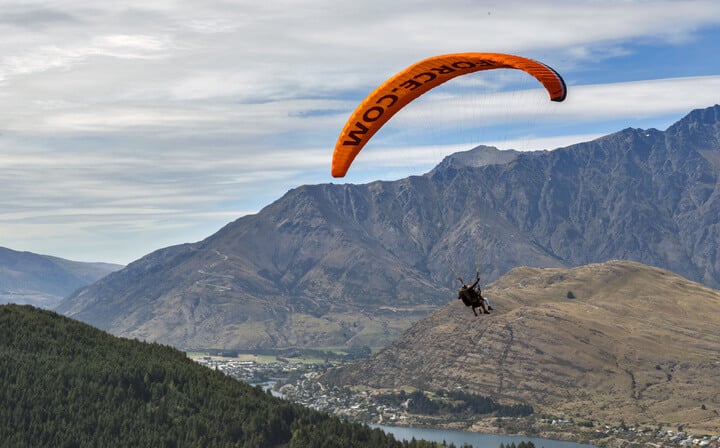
<point x="296" y="380"/>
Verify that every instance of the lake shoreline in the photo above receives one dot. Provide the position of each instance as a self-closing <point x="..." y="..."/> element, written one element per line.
<point x="476" y="439"/>
<point x="509" y="426"/>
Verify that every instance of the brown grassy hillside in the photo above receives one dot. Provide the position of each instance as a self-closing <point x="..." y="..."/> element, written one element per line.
<point x="636" y="344"/>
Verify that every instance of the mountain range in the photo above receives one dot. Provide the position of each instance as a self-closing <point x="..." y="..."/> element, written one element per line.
<point x="609" y="343"/>
<point x="329" y="265"/>
<point x="42" y="280"/>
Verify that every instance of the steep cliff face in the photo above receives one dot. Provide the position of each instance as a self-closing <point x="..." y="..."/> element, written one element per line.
<point x="628" y="196"/>
<point x="335" y="264"/>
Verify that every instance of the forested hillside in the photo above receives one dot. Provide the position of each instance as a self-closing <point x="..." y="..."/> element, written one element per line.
<point x="66" y="384"/>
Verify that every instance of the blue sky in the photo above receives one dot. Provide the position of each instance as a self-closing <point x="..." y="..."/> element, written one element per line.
<point x="130" y="126"/>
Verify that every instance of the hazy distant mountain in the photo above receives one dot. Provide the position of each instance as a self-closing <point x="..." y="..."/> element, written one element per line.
<point x="66" y="384"/>
<point x="42" y="280"/>
<point x="610" y="342"/>
<point x="334" y="264"/>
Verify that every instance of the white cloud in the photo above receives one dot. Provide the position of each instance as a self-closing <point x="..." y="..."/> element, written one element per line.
<point x="132" y="118"/>
<point x="641" y="98"/>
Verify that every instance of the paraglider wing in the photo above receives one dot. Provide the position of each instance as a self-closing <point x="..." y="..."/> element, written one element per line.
<point x="395" y="93"/>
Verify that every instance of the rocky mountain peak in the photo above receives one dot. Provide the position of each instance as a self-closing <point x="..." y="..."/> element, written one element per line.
<point x="356" y="264"/>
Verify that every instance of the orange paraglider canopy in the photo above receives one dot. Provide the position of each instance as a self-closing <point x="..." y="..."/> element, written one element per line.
<point x="399" y="90"/>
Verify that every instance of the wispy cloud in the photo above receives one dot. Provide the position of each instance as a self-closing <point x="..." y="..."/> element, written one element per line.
<point x="128" y="126"/>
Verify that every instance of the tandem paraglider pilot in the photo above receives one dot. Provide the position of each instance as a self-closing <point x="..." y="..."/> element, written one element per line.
<point x="471" y="296"/>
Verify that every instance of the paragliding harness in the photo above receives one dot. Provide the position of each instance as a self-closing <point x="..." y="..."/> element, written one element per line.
<point x="471" y="295"/>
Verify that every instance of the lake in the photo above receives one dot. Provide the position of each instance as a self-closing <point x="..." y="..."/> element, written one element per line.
<point x="476" y="439"/>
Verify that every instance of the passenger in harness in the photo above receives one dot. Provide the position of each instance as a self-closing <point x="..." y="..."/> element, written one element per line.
<point x="471" y="296"/>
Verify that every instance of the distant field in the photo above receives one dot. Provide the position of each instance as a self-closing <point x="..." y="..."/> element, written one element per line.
<point x="306" y="356"/>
